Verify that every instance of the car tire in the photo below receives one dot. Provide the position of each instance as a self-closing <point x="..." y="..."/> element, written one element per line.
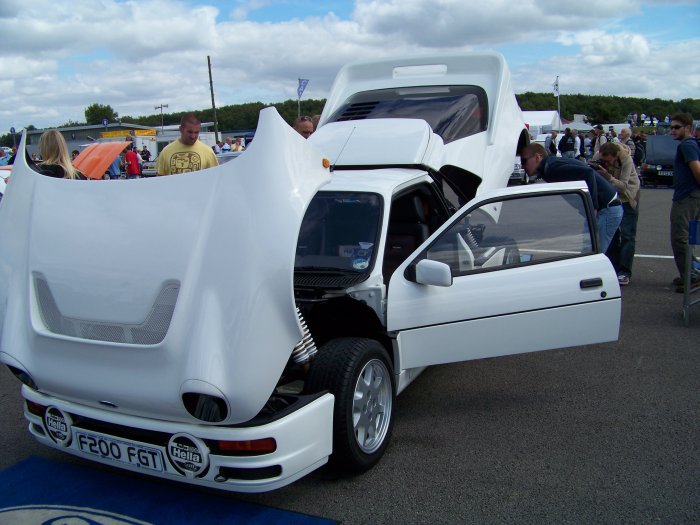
<point x="359" y="374"/>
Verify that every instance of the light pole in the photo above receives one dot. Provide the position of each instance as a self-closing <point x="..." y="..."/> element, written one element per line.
<point x="161" y="115"/>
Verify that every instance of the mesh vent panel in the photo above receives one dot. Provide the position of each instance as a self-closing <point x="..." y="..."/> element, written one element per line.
<point x="152" y="331"/>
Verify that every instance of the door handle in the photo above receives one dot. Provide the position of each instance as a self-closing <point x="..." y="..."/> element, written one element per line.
<point x="591" y="283"/>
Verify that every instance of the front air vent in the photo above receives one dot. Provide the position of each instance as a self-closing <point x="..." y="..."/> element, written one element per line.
<point x="205" y="407"/>
<point x="150" y="332"/>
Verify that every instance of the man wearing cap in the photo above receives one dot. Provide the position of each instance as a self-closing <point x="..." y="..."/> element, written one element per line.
<point x="535" y="161"/>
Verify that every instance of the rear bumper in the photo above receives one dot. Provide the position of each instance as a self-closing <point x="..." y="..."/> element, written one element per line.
<point x="303" y="443"/>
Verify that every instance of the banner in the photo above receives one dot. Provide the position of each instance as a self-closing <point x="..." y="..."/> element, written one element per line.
<point x="555" y="87"/>
<point x="302" y="86"/>
<point x="128" y="133"/>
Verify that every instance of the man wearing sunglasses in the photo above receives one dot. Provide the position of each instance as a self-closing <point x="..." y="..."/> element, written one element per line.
<point x="686" y="191"/>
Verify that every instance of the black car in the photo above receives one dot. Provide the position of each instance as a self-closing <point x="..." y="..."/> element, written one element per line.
<point x="657" y="168"/>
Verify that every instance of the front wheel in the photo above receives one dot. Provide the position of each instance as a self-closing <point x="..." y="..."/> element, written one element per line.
<point x="358" y="373"/>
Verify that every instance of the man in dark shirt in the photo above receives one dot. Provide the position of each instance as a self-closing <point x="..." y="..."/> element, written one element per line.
<point x="686" y="191"/>
<point x="535" y="161"/>
<point x="567" y="144"/>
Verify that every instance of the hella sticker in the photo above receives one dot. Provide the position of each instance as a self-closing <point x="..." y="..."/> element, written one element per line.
<point x="58" y="426"/>
<point x="189" y="455"/>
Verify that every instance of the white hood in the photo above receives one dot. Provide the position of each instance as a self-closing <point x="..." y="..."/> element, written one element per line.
<point x="89" y="272"/>
<point x="380" y="142"/>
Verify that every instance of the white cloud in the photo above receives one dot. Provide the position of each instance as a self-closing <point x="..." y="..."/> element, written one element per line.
<point x="60" y="57"/>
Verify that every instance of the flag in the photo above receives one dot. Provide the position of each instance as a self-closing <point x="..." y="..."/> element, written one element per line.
<point x="555" y="87"/>
<point x="302" y="86"/>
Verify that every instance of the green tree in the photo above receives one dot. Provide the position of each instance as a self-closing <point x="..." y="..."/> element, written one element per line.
<point x="94" y="113"/>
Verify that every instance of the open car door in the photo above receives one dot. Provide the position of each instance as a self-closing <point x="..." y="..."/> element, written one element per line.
<point x="516" y="270"/>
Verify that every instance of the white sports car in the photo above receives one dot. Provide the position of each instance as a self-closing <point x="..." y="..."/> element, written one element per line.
<point x="239" y="326"/>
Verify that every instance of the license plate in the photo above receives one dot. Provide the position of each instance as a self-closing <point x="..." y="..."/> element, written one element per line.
<point x="119" y="450"/>
<point x="665" y="173"/>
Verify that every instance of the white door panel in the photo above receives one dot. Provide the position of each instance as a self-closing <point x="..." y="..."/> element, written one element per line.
<point x="527" y="279"/>
<point x="509" y="334"/>
<point x="510" y="290"/>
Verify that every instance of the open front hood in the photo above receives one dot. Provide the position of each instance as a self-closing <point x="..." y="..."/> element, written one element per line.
<point x="133" y="292"/>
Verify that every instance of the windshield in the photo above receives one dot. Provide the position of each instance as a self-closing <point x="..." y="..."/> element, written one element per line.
<point x="339" y="233"/>
<point x="453" y="112"/>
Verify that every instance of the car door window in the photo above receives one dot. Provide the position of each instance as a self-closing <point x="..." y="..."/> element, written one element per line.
<point x="523" y="230"/>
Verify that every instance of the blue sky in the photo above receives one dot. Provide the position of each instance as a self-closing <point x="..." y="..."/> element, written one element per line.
<point x="59" y="57"/>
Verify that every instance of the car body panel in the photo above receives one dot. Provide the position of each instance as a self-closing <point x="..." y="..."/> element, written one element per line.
<point x="303" y="442"/>
<point x="94" y="160"/>
<point x="523" y="307"/>
<point x="164" y="239"/>
<point x="381" y="142"/>
<point x="488" y="154"/>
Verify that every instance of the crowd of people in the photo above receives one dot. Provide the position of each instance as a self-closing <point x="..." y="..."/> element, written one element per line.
<point x="609" y="164"/>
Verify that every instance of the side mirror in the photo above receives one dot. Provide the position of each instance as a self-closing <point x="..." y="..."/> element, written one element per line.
<point x="433" y="273"/>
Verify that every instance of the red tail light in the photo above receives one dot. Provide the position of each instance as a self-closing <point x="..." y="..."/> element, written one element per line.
<point x="253" y="447"/>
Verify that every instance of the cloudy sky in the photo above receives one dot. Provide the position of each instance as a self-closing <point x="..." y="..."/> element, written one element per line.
<point x="58" y="56"/>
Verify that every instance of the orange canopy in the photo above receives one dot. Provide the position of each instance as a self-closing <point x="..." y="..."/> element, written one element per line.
<point x="94" y="160"/>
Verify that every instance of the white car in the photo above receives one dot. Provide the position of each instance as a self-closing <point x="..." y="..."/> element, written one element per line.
<point x="242" y="325"/>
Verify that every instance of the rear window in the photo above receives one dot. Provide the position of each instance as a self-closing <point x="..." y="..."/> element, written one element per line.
<point x="661" y="149"/>
<point x="453" y="112"/>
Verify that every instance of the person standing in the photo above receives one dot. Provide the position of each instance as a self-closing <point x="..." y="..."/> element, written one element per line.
<point x="55" y="157"/>
<point x="238" y="145"/>
<point x="550" y="144"/>
<point x="626" y="138"/>
<point x="133" y="170"/>
<point x="567" y="145"/>
<point x="618" y="169"/>
<point x="535" y="161"/>
<point x="115" y="169"/>
<point x="145" y="154"/>
<point x="187" y="153"/>
<point x="686" y="192"/>
<point x="599" y="138"/>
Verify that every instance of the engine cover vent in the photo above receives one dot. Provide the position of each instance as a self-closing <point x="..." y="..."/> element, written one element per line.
<point x="150" y="332"/>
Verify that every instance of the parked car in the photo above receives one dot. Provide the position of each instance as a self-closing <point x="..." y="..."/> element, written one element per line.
<point x="519" y="175"/>
<point x="657" y="168"/>
<point x="261" y="316"/>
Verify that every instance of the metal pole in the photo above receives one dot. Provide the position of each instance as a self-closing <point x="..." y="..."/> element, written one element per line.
<point x="161" y="115"/>
<point x="558" y="105"/>
<point x="213" y="106"/>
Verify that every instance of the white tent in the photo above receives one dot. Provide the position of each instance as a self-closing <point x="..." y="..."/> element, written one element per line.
<point x="542" y="121"/>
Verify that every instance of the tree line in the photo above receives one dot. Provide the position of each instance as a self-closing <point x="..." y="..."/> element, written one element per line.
<point x="598" y="109"/>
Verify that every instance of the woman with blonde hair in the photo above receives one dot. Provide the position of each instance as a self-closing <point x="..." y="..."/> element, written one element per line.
<point x="56" y="161"/>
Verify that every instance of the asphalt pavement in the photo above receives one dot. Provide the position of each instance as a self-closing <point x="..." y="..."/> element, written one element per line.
<point x="598" y="434"/>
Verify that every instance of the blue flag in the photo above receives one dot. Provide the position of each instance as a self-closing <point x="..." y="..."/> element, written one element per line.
<point x="302" y="86"/>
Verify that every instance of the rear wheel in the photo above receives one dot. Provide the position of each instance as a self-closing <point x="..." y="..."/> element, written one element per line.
<point x="358" y="373"/>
